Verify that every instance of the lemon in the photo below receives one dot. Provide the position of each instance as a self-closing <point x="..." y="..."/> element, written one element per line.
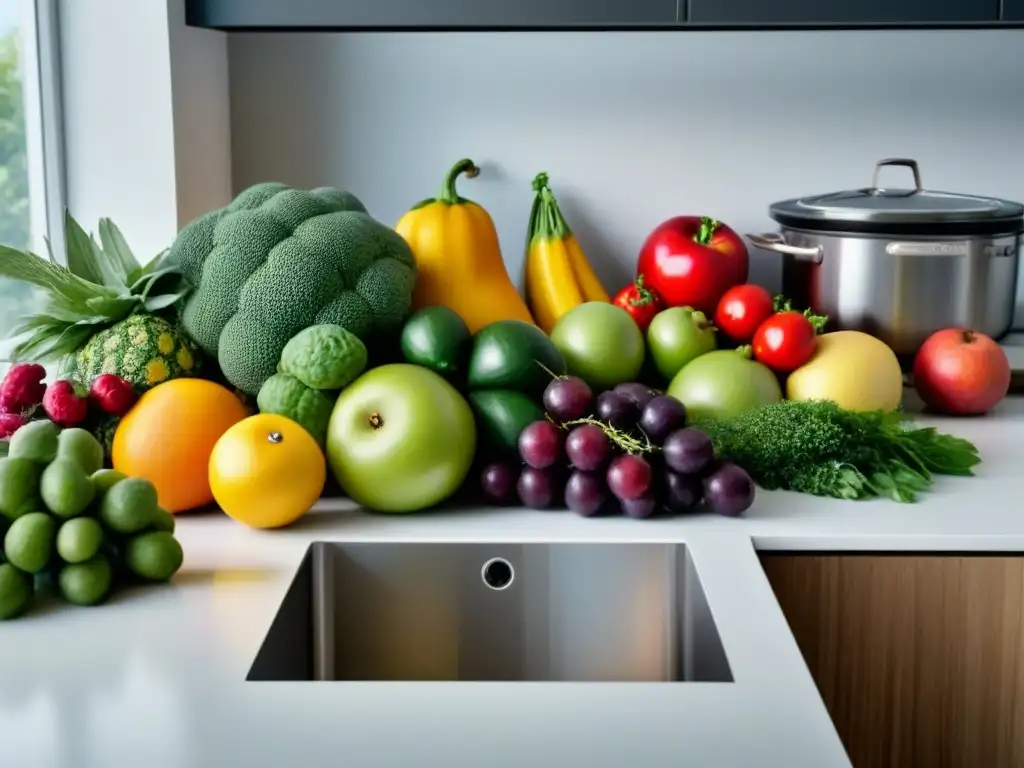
<point x="86" y="583"/>
<point x="266" y="471"/>
<point x="79" y="540"/>
<point x="129" y="506"/>
<point x="857" y="371"/>
<point x="19" y="486"/>
<point x="15" y="591"/>
<point x="81" y="447"/>
<point x="28" y="543"/>
<point x="36" y="441"/>
<point x="66" y="488"/>
<point x="155" y="556"/>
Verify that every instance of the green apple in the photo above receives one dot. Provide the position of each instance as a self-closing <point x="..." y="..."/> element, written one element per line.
<point x="676" y="336"/>
<point x="400" y="439"/>
<point x="601" y="344"/>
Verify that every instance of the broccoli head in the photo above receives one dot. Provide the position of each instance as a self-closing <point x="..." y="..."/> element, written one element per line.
<point x="278" y="260"/>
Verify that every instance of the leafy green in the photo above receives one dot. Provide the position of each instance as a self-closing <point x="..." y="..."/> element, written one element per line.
<point x="818" y="448"/>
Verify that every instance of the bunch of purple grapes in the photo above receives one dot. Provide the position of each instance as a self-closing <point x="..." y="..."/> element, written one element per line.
<point x="628" y="451"/>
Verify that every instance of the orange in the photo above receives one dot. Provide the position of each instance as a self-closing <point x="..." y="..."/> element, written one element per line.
<point x="266" y="471"/>
<point x="168" y="436"/>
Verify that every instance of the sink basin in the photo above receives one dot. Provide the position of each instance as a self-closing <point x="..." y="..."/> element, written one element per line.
<point x="560" y="612"/>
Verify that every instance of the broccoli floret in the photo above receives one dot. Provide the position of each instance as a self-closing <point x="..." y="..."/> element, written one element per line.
<point x="278" y="260"/>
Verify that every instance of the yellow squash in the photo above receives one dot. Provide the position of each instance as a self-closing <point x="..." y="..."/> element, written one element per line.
<point x="558" y="275"/>
<point x="458" y="258"/>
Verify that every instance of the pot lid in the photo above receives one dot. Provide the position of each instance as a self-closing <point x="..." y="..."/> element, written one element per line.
<point x="900" y="211"/>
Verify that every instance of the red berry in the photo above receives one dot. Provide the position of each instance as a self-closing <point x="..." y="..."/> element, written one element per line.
<point x="22" y="388"/>
<point x="112" y="394"/>
<point x="65" y="403"/>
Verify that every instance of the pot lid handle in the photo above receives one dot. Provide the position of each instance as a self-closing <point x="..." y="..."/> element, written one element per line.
<point x="904" y="162"/>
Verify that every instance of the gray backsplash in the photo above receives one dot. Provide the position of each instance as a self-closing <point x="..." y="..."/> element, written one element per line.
<point x="631" y="127"/>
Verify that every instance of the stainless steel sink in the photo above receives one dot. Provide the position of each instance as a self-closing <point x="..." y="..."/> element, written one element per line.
<point x="494" y="612"/>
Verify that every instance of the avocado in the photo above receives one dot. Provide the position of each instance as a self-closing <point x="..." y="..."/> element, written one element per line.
<point x="512" y="354"/>
<point x="438" y="339"/>
<point x="501" y="414"/>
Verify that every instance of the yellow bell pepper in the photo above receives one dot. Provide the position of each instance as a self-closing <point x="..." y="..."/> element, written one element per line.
<point x="558" y="275"/>
<point x="458" y="257"/>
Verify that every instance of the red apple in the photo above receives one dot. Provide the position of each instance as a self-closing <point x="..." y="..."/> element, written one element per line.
<point x="961" y="372"/>
<point x="690" y="261"/>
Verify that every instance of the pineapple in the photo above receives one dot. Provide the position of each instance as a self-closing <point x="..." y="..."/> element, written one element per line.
<point x="102" y="287"/>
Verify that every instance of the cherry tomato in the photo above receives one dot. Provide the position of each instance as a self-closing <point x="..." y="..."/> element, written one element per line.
<point x="639" y="301"/>
<point x="785" y="341"/>
<point x="741" y="311"/>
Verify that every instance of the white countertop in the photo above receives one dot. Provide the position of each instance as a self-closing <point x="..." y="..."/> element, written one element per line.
<point x="156" y="677"/>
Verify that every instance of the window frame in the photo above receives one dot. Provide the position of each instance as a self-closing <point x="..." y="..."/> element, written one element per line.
<point x="44" y="127"/>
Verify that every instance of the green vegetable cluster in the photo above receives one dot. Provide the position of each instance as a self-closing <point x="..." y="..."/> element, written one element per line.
<point x="278" y="260"/>
<point x="818" y="448"/>
<point x="314" y="365"/>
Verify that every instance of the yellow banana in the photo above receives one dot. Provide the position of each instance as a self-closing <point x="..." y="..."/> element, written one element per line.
<point x="558" y="276"/>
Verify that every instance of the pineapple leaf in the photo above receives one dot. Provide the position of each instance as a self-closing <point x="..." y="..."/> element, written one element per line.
<point x="113" y="275"/>
<point x="28" y="268"/>
<point x="79" y="248"/>
<point x="45" y="347"/>
<point x="112" y="308"/>
<point x="163" y="301"/>
<point x="116" y="248"/>
<point x="145" y="281"/>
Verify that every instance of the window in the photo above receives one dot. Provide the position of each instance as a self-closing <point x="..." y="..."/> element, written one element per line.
<point x="31" y="183"/>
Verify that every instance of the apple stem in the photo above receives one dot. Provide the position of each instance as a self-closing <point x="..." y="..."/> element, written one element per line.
<point x="275" y="437"/>
<point x="969" y="336"/>
<point x="624" y="440"/>
<point x="707" y="229"/>
<point x="376" y="421"/>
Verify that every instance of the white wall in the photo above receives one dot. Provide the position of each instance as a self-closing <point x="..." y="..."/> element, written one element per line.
<point x="145" y="112"/>
<point x="632" y="127"/>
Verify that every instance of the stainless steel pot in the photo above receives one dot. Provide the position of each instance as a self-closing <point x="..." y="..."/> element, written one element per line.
<point x="900" y="264"/>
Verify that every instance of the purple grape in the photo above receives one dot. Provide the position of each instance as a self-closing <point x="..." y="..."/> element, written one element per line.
<point x="537" y="488"/>
<point x="728" y="490"/>
<point x="541" y="444"/>
<point x="688" y="451"/>
<point x="640" y="508"/>
<point x="586" y="493"/>
<point x="639" y="393"/>
<point x="680" y="493"/>
<point x="617" y="409"/>
<point x="568" y="398"/>
<point x="588" y="447"/>
<point x="662" y="415"/>
<point x="629" y="477"/>
<point x="498" y="482"/>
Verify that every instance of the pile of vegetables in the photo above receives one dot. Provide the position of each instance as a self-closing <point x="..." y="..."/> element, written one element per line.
<point x="819" y="448"/>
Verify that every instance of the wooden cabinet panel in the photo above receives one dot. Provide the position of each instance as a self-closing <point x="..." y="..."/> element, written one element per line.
<point x="919" y="659"/>
<point x="842" y="11"/>
<point x="395" y="14"/>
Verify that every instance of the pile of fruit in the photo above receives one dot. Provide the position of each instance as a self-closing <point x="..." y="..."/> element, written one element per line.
<point x="67" y="521"/>
<point x="290" y="340"/>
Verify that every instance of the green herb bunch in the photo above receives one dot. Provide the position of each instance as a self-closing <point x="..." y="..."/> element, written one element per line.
<point x="819" y="448"/>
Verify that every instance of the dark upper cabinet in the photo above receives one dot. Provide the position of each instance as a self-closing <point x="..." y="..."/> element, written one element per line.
<point x="851" y="12"/>
<point x="1013" y="10"/>
<point x="442" y="14"/>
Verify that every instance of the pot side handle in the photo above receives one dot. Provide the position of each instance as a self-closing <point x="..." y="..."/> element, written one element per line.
<point x="775" y="243"/>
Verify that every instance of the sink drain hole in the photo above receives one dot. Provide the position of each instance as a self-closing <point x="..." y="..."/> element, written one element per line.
<point x="497" y="573"/>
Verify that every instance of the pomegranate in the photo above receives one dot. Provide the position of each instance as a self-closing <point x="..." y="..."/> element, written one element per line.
<point x="961" y="372"/>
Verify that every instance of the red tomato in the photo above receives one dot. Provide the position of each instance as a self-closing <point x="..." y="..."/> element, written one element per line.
<point x="639" y="301"/>
<point x="785" y="341"/>
<point x="742" y="310"/>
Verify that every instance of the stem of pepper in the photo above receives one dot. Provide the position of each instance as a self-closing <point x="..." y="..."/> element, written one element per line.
<point x="707" y="229"/>
<point x="448" y="193"/>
